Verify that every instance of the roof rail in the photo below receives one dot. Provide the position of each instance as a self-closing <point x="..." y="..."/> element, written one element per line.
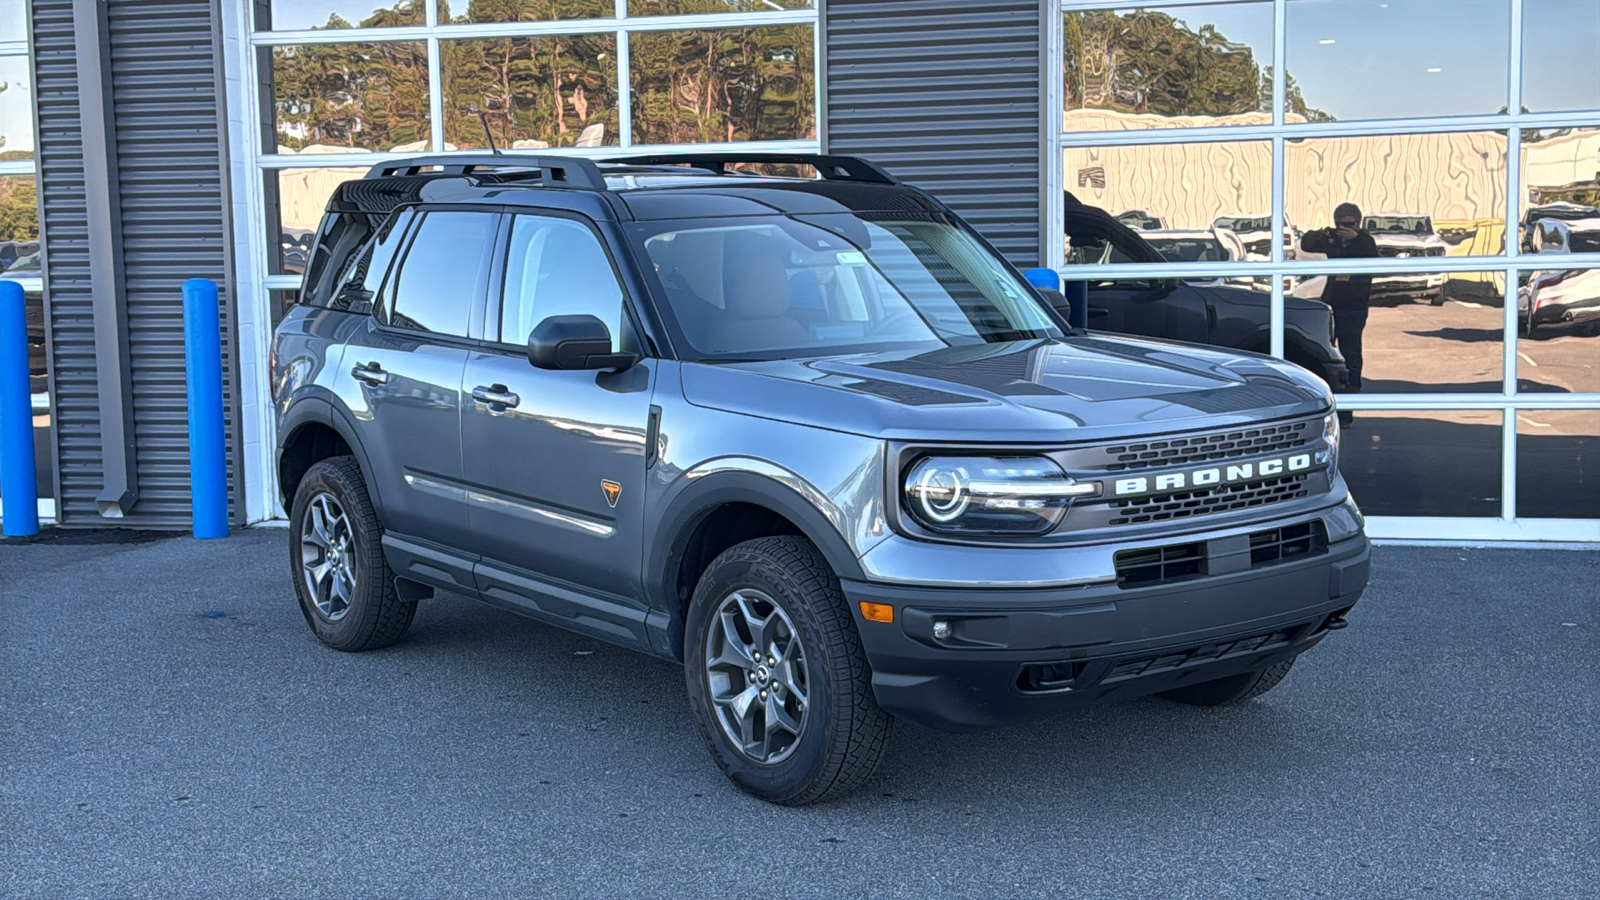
<point x="831" y="168"/>
<point x="555" y="171"/>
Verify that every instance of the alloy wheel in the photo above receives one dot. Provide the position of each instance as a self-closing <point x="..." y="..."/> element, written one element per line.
<point x="756" y="671"/>
<point x="327" y="556"/>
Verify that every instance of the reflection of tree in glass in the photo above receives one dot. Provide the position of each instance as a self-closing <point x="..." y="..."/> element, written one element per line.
<point x="527" y="10"/>
<point x="1149" y="62"/>
<point x="360" y="96"/>
<point x="691" y="7"/>
<point x="19" y="209"/>
<point x="727" y="84"/>
<point x="545" y="89"/>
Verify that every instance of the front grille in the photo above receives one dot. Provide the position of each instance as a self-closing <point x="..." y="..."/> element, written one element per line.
<point x="1154" y="565"/>
<point x="1225" y="498"/>
<point x="1206" y="447"/>
<point x="1291" y="542"/>
<point x="1149" y="566"/>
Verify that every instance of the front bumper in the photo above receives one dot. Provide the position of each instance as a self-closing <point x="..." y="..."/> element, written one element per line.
<point x="1020" y="654"/>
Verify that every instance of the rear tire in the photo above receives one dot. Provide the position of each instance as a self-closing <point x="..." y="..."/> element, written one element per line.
<point x="811" y="729"/>
<point x="345" y="587"/>
<point x="1233" y="689"/>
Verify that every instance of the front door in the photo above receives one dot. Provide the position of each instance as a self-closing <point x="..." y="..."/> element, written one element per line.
<point x="555" y="460"/>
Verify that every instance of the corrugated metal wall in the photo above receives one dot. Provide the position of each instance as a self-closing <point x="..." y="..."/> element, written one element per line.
<point x="944" y="94"/>
<point x="166" y="96"/>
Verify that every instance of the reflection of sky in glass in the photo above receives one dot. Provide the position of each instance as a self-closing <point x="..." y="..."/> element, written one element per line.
<point x="11" y="21"/>
<point x="1375" y="59"/>
<point x="293" y="15"/>
<point x="1560" y="54"/>
<point x="16" y="104"/>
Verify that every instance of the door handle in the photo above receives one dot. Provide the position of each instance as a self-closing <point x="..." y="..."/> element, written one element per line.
<point x="496" y="397"/>
<point x="371" y="373"/>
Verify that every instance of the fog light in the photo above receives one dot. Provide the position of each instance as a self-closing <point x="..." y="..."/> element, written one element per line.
<point x="941" y="629"/>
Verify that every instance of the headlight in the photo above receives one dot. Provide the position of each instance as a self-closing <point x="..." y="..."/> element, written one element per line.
<point x="1344" y="521"/>
<point x="1330" y="435"/>
<point x="985" y="495"/>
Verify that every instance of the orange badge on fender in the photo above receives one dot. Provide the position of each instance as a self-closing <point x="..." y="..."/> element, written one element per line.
<point x="612" y="491"/>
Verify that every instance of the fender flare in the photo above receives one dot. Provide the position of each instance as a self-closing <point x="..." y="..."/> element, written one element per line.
<point x="683" y="512"/>
<point x="317" y="411"/>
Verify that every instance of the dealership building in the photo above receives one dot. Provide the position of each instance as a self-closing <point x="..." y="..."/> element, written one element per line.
<point x="145" y="142"/>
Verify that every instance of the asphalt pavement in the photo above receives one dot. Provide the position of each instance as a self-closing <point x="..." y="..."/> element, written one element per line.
<point x="171" y="729"/>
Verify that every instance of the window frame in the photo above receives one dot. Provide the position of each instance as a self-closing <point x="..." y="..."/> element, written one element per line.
<point x="1519" y="129"/>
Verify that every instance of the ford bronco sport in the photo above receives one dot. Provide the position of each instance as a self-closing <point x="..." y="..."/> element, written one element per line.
<point x="807" y="434"/>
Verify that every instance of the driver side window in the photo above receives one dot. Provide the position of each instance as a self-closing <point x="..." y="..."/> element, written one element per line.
<point x="557" y="267"/>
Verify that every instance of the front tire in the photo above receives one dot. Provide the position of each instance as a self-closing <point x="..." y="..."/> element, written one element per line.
<point x="1233" y="689"/>
<point x="778" y="681"/>
<point x="344" y="584"/>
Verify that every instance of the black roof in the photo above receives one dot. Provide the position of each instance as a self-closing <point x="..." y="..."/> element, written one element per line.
<point x="634" y="187"/>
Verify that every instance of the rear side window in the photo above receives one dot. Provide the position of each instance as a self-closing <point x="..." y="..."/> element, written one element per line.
<point x="363" y="276"/>
<point x="443" y="272"/>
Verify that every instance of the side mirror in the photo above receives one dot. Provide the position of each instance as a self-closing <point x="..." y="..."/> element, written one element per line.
<point x="1160" y="289"/>
<point x="575" y="342"/>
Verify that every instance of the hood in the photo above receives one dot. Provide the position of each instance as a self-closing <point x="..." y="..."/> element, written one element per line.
<point x="1396" y="239"/>
<point x="1077" y="388"/>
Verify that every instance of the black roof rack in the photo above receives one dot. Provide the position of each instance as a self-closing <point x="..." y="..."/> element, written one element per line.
<point x="583" y="173"/>
<point x="555" y="171"/>
<point x="832" y="168"/>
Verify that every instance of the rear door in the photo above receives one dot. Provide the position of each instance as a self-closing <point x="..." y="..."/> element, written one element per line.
<point x="556" y="459"/>
<point x="406" y="365"/>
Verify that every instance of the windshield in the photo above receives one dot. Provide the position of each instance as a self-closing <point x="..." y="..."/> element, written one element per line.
<point x="782" y="287"/>
<point x="1399" y="225"/>
<point x="1240" y="223"/>
<point x="1189" y="249"/>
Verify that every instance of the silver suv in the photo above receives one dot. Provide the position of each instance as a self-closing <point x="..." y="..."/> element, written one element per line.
<point x="804" y="432"/>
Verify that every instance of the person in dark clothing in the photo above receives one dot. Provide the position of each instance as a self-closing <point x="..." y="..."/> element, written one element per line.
<point x="1348" y="295"/>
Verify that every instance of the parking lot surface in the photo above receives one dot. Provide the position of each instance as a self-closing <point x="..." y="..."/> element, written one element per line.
<point x="171" y="729"/>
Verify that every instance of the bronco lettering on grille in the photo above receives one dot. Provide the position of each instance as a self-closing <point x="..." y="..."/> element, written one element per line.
<point x="1208" y="477"/>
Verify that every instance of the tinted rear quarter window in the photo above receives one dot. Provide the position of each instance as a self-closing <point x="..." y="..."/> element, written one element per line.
<point x="444" y="272"/>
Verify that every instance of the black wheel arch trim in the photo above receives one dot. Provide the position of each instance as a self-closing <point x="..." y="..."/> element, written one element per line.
<point x="317" y="411"/>
<point x="682" y="514"/>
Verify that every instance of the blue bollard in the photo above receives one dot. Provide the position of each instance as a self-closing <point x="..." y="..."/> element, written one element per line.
<point x="202" y="350"/>
<point x="1045" y="278"/>
<point x="19" y="484"/>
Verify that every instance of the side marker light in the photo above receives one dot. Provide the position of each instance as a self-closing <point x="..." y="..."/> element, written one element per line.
<point x="877" y="612"/>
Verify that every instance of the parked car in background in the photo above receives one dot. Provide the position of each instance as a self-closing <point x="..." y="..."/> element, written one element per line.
<point x="1177" y="245"/>
<point x="1206" y="313"/>
<point x="1405" y="236"/>
<point x="1581" y="219"/>
<point x="1140" y="220"/>
<point x="11" y="251"/>
<point x="1551" y="298"/>
<point x="1255" y="234"/>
